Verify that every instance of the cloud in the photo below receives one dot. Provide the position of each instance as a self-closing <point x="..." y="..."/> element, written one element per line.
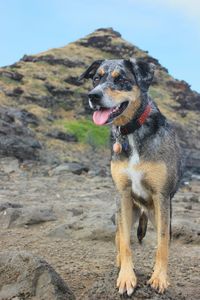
<point x="190" y="8"/>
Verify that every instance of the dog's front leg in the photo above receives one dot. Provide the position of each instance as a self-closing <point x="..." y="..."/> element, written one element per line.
<point x="159" y="278"/>
<point x="126" y="280"/>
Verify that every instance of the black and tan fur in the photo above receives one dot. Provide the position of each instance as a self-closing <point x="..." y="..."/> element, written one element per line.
<point x="148" y="173"/>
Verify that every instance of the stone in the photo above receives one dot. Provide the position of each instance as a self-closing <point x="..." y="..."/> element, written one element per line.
<point x="9" y="165"/>
<point x="17" y="217"/>
<point x="11" y="74"/>
<point x="24" y="276"/>
<point x="4" y="206"/>
<point x="16" y="139"/>
<point x="64" y="136"/>
<point x="73" y="167"/>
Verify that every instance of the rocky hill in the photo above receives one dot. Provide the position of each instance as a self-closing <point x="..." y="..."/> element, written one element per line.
<point x="41" y="93"/>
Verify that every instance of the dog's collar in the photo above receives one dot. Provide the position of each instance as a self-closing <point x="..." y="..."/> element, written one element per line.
<point x="136" y="122"/>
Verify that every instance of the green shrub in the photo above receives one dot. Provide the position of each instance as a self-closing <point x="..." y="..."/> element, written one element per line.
<point x="88" y="133"/>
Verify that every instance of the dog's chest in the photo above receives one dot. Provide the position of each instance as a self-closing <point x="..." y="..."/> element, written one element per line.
<point x="135" y="174"/>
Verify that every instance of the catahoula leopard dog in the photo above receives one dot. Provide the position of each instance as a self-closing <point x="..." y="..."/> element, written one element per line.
<point x="146" y="161"/>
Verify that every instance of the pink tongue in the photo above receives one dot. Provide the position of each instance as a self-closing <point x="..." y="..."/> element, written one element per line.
<point x="101" y="116"/>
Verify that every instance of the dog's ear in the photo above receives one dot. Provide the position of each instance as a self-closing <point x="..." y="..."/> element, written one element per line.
<point x="142" y="71"/>
<point x="91" y="70"/>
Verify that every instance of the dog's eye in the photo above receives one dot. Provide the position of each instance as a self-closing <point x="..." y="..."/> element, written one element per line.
<point x="121" y="79"/>
<point x="96" y="80"/>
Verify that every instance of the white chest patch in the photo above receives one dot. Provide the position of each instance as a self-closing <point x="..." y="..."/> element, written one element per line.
<point x="133" y="174"/>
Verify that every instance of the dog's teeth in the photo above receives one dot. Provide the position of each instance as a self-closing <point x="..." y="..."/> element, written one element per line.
<point x="90" y="104"/>
<point x="115" y="109"/>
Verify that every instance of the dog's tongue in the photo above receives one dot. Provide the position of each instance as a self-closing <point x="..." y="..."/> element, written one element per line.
<point x="101" y="116"/>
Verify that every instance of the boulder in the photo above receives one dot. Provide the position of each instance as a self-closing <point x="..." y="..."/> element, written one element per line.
<point x="25" y="276"/>
<point x="16" y="139"/>
<point x="72" y="167"/>
<point x="64" y="136"/>
<point x="12" y="216"/>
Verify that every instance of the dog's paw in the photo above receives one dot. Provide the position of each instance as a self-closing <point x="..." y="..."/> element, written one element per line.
<point x="159" y="281"/>
<point x="126" y="281"/>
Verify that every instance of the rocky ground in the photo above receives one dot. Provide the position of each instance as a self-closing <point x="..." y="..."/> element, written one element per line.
<point x="63" y="214"/>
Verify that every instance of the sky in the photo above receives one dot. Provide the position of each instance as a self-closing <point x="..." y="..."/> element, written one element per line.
<point x="168" y="29"/>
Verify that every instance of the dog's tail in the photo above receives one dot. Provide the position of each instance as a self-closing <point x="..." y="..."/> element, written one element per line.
<point x="142" y="226"/>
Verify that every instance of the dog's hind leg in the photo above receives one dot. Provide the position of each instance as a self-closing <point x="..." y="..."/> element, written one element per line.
<point x="159" y="279"/>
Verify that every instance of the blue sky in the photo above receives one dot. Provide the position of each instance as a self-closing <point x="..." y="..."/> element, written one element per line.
<point x="168" y="29"/>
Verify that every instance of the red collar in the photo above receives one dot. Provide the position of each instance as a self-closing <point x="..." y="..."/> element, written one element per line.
<point x="136" y="123"/>
<point x="145" y="114"/>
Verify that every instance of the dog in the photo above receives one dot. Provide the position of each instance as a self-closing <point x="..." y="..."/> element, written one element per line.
<point x="146" y="163"/>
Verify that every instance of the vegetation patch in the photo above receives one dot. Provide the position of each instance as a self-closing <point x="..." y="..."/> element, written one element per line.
<point x="88" y="133"/>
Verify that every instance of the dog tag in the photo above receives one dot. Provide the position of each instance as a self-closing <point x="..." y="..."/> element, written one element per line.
<point x="117" y="147"/>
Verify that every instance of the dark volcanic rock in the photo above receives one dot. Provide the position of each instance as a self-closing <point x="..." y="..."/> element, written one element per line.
<point x="6" y="205"/>
<point x="73" y="80"/>
<point x="109" y="30"/>
<point x="72" y="167"/>
<point x="190" y="145"/>
<point x="15" y="92"/>
<point x="25" y="276"/>
<point x="53" y="60"/>
<point x="58" y="98"/>
<point x="55" y="91"/>
<point x="188" y="99"/>
<point x="60" y="135"/>
<point x="11" y="75"/>
<point x="104" y="43"/>
<point x="16" y="139"/>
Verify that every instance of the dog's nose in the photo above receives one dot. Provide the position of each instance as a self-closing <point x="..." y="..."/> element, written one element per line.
<point x="95" y="96"/>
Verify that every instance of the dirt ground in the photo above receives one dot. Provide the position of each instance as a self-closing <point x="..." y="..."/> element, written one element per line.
<point x="80" y="243"/>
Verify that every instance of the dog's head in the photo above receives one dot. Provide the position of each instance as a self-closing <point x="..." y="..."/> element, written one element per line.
<point x="117" y="88"/>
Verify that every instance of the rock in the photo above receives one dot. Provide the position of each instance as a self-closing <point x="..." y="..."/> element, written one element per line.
<point x="16" y="139"/>
<point x="61" y="231"/>
<point x="24" y="276"/>
<point x="85" y="226"/>
<point x="53" y="60"/>
<point x="110" y="30"/>
<point x="104" y="289"/>
<point x="55" y="91"/>
<point x="73" y="80"/>
<point x="16" y="217"/>
<point x="102" y="172"/>
<point x="64" y="136"/>
<point x="195" y="198"/>
<point x="75" y="211"/>
<point x="188" y="207"/>
<point x="186" y="233"/>
<point x="6" y="205"/>
<point x="11" y="74"/>
<point x="9" y="165"/>
<point x="72" y="167"/>
<point x="40" y="76"/>
<point x="14" y="92"/>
